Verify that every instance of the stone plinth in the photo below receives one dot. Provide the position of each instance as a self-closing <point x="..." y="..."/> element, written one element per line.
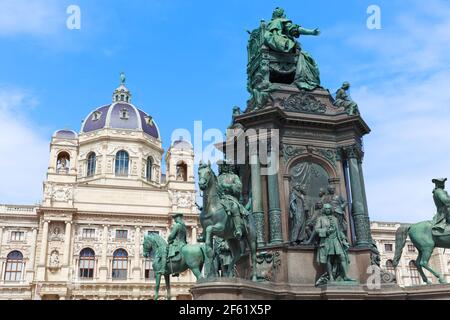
<point x="241" y="289"/>
<point x="298" y="265"/>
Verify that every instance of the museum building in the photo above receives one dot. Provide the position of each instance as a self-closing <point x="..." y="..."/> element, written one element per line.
<point x="104" y="191"/>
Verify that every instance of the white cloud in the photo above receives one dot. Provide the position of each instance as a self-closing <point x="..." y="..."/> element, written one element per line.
<point x="23" y="150"/>
<point x="408" y="111"/>
<point x="34" y="17"/>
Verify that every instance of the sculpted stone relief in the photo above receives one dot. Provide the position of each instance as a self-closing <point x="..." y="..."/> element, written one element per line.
<point x="59" y="192"/>
<point x="182" y="199"/>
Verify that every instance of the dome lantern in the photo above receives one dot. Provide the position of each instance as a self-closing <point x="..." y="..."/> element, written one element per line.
<point x="122" y="94"/>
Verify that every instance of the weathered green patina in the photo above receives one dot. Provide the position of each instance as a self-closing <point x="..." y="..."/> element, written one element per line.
<point x="298" y="214"/>
<point x="222" y="258"/>
<point x="216" y="220"/>
<point x="344" y="100"/>
<point x="276" y="57"/>
<point x="175" y="257"/>
<point x="427" y="235"/>
<point x="333" y="246"/>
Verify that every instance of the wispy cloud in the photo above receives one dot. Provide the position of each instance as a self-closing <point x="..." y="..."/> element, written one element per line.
<point x="23" y="149"/>
<point x="407" y="110"/>
<point x="31" y="17"/>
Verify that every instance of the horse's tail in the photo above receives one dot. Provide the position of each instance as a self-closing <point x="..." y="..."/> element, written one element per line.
<point x="400" y="239"/>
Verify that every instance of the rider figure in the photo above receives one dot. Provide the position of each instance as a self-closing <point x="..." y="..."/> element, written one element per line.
<point x="442" y="201"/>
<point x="176" y="239"/>
<point x="231" y="187"/>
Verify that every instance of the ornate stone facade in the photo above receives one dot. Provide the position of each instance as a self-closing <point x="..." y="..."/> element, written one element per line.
<point x="103" y="193"/>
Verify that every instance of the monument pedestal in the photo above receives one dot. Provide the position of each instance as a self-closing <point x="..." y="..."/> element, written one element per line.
<point x="297" y="265"/>
<point x="241" y="289"/>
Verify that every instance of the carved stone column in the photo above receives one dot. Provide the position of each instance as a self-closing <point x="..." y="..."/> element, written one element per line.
<point x="137" y="253"/>
<point x="274" y="204"/>
<point x="103" y="270"/>
<point x="359" y="213"/>
<point x="257" y="207"/>
<point x="67" y="241"/>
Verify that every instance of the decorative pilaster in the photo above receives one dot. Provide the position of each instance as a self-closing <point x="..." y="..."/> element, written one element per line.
<point x="194" y="234"/>
<point x="1" y="236"/>
<point x="44" y="240"/>
<point x="137" y="253"/>
<point x="103" y="270"/>
<point x="67" y="241"/>
<point x="43" y="254"/>
<point x="257" y="207"/>
<point x="274" y="204"/>
<point x="359" y="213"/>
<point x="31" y="261"/>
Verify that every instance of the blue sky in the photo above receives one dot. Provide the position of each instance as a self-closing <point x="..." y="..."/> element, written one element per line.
<point x="186" y="61"/>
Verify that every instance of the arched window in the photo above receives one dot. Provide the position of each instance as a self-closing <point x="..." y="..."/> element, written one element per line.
<point x="148" y="171"/>
<point x="122" y="160"/>
<point x="390" y="266"/>
<point x="63" y="162"/>
<point x="87" y="263"/>
<point x="120" y="264"/>
<point x="413" y="273"/>
<point x="91" y="161"/>
<point x="14" y="265"/>
<point x="181" y="171"/>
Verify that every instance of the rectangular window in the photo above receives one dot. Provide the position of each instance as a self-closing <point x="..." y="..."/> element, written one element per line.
<point x="152" y="232"/>
<point x="17" y="236"/>
<point x="13" y="270"/>
<point x="88" y="233"/>
<point x="119" y="270"/>
<point x="121" y="234"/>
<point x="411" y="248"/>
<point x="388" y="247"/>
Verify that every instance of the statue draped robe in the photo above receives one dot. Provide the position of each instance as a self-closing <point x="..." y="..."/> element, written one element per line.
<point x="278" y="37"/>
<point x="297" y="213"/>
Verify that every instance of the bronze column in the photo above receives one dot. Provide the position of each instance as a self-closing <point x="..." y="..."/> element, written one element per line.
<point x="359" y="213"/>
<point x="258" y="212"/>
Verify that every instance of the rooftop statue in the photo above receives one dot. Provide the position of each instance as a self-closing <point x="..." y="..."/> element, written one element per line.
<point x="343" y="100"/>
<point x="175" y="257"/>
<point x="223" y="216"/>
<point x="427" y="235"/>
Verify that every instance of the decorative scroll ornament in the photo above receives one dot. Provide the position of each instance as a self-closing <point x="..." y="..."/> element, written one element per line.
<point x="303" y="102"/>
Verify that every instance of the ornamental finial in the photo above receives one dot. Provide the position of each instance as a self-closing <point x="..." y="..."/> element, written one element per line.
<point x="122" y="77"/>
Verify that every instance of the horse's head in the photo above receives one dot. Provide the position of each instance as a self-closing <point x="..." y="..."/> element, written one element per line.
<point x="154" y="244"/>
<point x="205" y="174"/>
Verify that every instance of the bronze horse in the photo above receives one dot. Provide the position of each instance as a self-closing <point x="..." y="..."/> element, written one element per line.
<point x="216" y="222"/>
<point x="425" y="242"/>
